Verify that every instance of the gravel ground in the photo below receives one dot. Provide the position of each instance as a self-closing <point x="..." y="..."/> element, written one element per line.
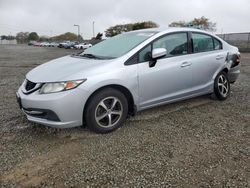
<point x="195" y="143"/>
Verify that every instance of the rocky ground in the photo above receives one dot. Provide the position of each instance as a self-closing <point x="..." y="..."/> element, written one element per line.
<point x="200" y="142"/>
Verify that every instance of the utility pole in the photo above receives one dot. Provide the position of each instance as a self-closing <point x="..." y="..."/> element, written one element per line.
<point x="93" y="29"/>
<point x="78" y="31"/>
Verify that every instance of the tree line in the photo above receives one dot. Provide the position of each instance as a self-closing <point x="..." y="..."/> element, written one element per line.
<point x="118" y="29"/>
<point x="202" y="23"/>
<point x="25" y="37"/>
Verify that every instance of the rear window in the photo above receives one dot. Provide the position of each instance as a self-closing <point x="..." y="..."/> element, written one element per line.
<point x="217" y="44"/>
<point x="202" y="42"/>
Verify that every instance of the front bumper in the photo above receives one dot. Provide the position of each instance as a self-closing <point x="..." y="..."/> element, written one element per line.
<point x="59" y="110"/>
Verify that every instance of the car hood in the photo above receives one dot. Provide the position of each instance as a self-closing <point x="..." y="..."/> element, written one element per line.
<point x="66" y="68"/>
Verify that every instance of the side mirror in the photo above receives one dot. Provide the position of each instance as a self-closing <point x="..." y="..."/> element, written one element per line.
<point x="156" y="54"/>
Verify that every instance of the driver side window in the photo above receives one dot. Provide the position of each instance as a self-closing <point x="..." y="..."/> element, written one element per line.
<point x="175" y="44"/>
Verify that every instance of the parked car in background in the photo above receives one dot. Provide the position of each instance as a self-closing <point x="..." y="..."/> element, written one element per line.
<point x="83" y="46"/>
<point x="31" y="43"/>
<point x="53" y="44"/>
<point x="70" y="45"/>
<point x="37" y="44"/>
<point x="62" y="44"/>
<point x="127" y="73"/>
<point x="44" y="44"/>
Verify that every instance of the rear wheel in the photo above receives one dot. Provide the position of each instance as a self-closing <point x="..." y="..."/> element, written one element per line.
<point x="106" y="111"/>
<point x="222" y="86"/>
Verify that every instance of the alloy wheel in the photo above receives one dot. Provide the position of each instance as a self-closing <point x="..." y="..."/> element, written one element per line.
<point x="223" y="85"/>
<point x="108" y="112"/>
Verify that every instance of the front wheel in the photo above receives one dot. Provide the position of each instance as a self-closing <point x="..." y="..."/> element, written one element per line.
<point x="221" y="86"/>
<point x="106" y="111"/>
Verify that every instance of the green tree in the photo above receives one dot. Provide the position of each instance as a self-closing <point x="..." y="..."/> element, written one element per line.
<point x="201" y="23"/>
<point x="178" y="24"/>
<point x="4" y="37"/>
<point x="99" y="36"/>
<point x="44" y="39"/>
<point x="65" y="36"/>
<point x="118" y="29"/>
<point x="143" y="25"/>
<point x="22" y="37"/>
<point x="33" y="36"/>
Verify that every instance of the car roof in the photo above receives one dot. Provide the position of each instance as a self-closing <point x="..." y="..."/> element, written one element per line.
<point x="170" y="29"/>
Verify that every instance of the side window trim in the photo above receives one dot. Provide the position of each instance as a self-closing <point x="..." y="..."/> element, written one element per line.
<point x="131" y="60"/>
<point x="128" y="62"/>
<point x="190" y="43"/>
<point x="151" y="46"/>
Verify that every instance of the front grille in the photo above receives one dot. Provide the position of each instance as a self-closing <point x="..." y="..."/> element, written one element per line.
<point x="30" y="85"/>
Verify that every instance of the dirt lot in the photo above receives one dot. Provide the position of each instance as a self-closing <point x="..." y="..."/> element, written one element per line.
<point x="195" y="143"/>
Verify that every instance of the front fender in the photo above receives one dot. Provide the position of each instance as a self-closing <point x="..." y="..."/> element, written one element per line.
<point x="126" y="77"/>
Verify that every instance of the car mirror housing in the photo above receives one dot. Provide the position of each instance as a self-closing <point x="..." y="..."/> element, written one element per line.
<point x="156" y="54"/>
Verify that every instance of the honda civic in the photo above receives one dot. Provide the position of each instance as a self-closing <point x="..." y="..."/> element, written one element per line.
<point x="130" y="72"/>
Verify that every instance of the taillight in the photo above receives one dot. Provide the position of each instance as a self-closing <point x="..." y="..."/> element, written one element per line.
<point x="235" y="60"/>
<point x="238" y="58"/>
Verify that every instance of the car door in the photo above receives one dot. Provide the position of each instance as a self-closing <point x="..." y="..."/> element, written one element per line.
<point x="171" y="76"/>
<point x="207" y="58"/>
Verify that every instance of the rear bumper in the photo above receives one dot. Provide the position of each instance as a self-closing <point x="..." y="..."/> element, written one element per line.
<point x="234" y="73"/>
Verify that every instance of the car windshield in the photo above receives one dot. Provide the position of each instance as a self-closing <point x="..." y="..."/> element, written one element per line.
<point x="117" y="46"/>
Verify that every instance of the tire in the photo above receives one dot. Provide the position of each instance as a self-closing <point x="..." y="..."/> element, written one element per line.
<point x="106" y="111"/>
<point x="222" y="86"/>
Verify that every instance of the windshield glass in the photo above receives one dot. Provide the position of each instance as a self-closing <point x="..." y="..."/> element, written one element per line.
<point x="119" y="45"/>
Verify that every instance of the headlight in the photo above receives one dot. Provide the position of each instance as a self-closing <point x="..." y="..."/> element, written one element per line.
<point x="60" y="86"/>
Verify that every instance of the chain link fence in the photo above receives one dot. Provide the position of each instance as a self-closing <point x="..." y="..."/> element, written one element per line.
<point x="241" y="40"/>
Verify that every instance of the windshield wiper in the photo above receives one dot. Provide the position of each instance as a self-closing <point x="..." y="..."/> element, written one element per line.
<point x="90" y="56"/>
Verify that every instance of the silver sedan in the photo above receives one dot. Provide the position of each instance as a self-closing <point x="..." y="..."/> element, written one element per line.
<point x="128" y="73"/>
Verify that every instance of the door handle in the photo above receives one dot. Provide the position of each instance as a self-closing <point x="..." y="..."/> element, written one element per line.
<point x="219" y="57"/>
<point x="186" y="64"/>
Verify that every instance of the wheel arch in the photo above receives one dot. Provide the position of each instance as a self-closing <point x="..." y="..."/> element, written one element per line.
<point x="122" y="89"/>
<point x="225" y="70"/>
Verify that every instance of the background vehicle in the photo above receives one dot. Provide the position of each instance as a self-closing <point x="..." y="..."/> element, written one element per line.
<point x="53" y="44"/>
<point x="44" y="44"/>
<point x="62" y="44"/>
<point x="128" y="73"/>
<point x="31" y="43"/>
<point x="37" y="44"/>
<point x="83" y="46"/>
<point x="70" y="45"/>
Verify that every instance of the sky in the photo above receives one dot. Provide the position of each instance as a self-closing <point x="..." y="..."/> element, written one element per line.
<point x="53" y="17"/>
